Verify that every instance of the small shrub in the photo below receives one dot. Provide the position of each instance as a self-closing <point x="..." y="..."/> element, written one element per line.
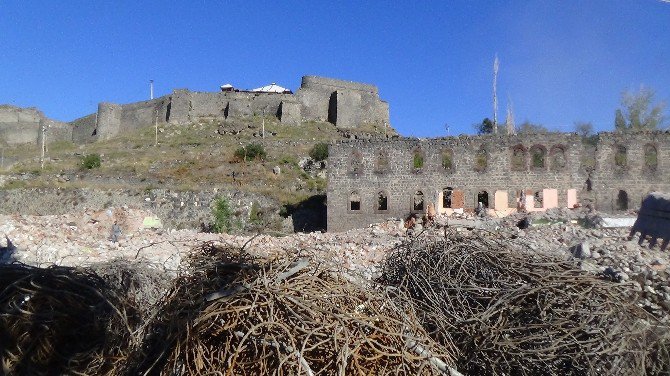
<point x="481" y="161"/>
<point x="319" y="152"/>
<point x="447" y="162"/>
<point x="91" y="161"/>
<point x="222" y="215"/>
<point x="255" y="213"/>
<point x="251" y="152"/>
<point x="418" y="161"/>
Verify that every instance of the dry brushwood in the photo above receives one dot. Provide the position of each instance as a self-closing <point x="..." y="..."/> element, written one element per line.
<point x="236" y="316"/>
<point x="144" y="284"/>
<point x="61" y="320"/>
<point x="512" y="311"/>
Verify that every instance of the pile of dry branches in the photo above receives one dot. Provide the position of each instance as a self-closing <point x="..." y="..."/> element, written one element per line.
<point x="512" y="311"/>
<point x="288" y="316"/>
<point x="61" y="321"/>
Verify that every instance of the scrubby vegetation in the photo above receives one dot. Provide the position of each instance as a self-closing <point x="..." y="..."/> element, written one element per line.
<point x="251" y="152"/>
<point x="319" y="152"/>
<point x="91" y="161"/>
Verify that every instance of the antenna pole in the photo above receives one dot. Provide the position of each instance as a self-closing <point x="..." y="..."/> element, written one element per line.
<point x="495" y="95"/>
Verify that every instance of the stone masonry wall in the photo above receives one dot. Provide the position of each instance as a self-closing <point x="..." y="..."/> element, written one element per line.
<point x="347" y="104"/>
<point x="24" y="126"/>
<point x="635" y="172"/>
<point x="361" y="170"/>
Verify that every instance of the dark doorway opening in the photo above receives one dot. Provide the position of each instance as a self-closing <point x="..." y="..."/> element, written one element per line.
<point x="622" y="200"/>
<point x="332" y="108"/>
<point x="483" y="197"/>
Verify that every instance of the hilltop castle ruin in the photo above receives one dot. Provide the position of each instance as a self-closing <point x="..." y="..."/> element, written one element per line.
<point x="343" y="103"/>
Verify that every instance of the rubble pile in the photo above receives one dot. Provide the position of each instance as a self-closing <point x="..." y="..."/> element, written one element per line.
<point x="482" y="289"/>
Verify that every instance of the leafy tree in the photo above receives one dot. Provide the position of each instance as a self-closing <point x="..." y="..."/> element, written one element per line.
<point x="619" y="121"/>
<point x="638" y="111"/>
<point x="584" y="129"/>
<point x="486" y="127"/>
<point x="530" y="128"/>
<point x="319" y="152"/>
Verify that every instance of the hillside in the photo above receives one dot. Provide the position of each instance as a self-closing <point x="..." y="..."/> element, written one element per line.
<point x="194" y="157"/>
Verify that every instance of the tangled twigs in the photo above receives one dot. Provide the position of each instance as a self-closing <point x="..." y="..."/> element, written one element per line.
<point x="61" y="321"/>
<point x="288" y="317"/>
<point x="512" y="311"/>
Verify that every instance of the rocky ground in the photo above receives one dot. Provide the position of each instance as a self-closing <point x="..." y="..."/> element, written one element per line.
<point x="83" y="239"/>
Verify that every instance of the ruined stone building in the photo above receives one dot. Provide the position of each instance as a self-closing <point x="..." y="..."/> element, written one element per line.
<point x="370" y="181"/>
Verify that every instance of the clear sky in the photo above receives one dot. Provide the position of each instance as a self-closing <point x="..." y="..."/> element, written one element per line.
<point x="560" y="61"/>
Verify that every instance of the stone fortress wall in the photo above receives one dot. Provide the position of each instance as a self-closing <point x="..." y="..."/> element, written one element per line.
<point x="24" y="125"/>
<point x="343" y="103"/>
<point x="370" y="181"/>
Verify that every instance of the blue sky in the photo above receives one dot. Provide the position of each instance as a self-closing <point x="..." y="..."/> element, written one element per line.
<point x="560" y="61"/>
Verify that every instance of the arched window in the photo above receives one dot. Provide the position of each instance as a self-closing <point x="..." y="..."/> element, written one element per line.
<point x="620" y="156"/>
<point x="538" y="157"/>
<point x="519" y="157"/>
<point x="382" y="201"/>
<point x="356" y="162"/>
<point x="448" y="159"/>
<point x="650" y="157"/>
<point x="447" y="194"/>
<point x="483" y="199"/>
<point x="418" y="159"/>
<point x="382" y="162"/>
<point x="354" y="201"/>
<point x="417" y="201"/>
<point x="481" y="159"/>
<point x="622" y="200"/>
<point x="558" y="160"/>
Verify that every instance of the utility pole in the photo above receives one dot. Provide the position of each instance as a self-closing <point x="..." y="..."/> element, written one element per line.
<point x="151" y="89"/>
<point x="156" y="128"/>
<point x="43" y="146"/>
<point x="495" y="95"/>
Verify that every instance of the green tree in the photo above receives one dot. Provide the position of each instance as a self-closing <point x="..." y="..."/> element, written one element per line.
<point x="584" y="129"/>
<point x="619" y="121"/>
<point x="486" y="126"/>
<point x="639" y="112"/>
<point x="529" y="128"/>
<point x="319" y="152"/>
<point x="222" y="215"/>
